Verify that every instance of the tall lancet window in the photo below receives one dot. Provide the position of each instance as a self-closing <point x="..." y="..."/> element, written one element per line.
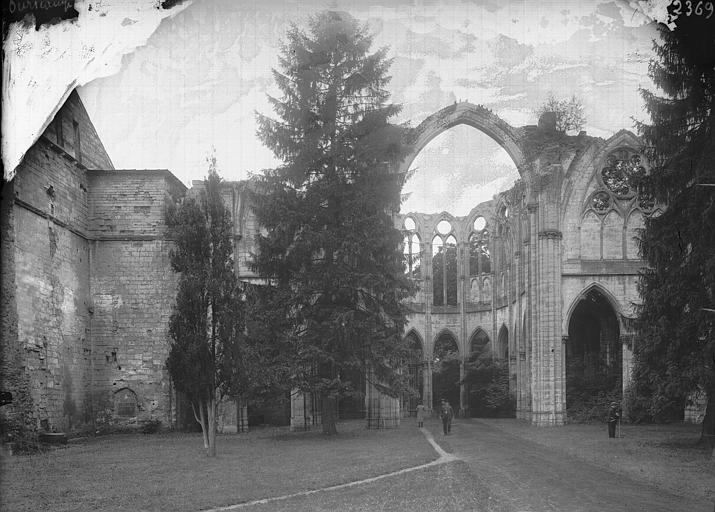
<point x="444" y="266"/>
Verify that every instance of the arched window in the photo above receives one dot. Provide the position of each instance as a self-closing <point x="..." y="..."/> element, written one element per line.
<point x="478" y="344"/>
<point x="503" y="343"/>
<point x="438" y="271"/>
<point x="125" y="403"/>
<point x="411" y="253"/>
<point x="444" y="266"/>
<point x="479" y="257"/>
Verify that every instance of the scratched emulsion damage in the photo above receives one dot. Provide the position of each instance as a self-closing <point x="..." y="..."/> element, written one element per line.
<point x="43" y="66"/>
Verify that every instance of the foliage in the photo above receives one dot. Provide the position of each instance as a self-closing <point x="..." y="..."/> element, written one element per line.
<point x="330" y="251"/>
<point x="207" y="326"/>
<point x="569" y="112"/>
<point x="487" y="379"/>
<point x="588" y="398"/>
<point x="673" y="353"/>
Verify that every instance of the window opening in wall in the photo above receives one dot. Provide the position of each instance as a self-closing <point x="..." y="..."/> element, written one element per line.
<point x="411" y="252"/>
<point x="410" y="224"/>
<point x="438" y="271"/>
<point x="444" y="269"/>
<point x="58" y="130"/>
<point x="621" y="166"/>
<point x="126" y="403"/>
<point x="444" y="227"/>
<point x="479" y="257"/>
<point x="77" y="146"/>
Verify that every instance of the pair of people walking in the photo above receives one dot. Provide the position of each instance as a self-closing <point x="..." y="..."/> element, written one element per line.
<point x="446" y="414"/>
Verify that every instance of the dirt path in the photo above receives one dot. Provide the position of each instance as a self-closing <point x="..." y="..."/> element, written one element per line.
<point x="524" y="476"/>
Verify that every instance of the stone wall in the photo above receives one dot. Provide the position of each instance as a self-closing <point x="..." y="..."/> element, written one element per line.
<point x="87" y="285"/>
<point x="51" y="270"/>
<point x="133" y="291"/>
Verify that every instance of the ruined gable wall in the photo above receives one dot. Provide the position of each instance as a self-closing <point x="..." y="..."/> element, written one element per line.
<point x="81" y="142"/>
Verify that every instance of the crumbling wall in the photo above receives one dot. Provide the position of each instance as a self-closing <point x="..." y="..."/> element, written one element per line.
<point x="52" y="285"/>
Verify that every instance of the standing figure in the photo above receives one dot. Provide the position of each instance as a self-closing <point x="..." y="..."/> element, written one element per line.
<point x="446" y="413"/>
<point x="421" y="413"/>
<point x="613" y="417"/>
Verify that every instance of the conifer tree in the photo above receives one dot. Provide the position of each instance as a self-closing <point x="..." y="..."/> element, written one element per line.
<point x="207" y="326"/>
<point x="674" y="351"/>
<point x="330" y="250"/>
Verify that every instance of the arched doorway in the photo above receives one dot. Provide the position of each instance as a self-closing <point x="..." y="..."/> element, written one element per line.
<point x="415" y="375"/>
<point x="445" y="370"/>
<point x="593" y="357"/>
<point x="479" y="351"/>
<point x="503" y="343"/>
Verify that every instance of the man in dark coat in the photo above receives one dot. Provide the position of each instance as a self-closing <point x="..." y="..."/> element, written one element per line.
<point x="446" y="413"/>
<point x="613" y="417"/>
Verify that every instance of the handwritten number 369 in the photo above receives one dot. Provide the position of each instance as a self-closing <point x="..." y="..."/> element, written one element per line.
<point x="698" y="11"/>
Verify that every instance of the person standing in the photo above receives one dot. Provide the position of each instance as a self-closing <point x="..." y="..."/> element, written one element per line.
<point x="613" y="417"/>
<point x="446" y="413"/>
<point x="421" y="413"/>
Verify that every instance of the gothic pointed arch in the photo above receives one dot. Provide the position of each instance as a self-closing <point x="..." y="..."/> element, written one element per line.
<point x="445" y="339"/>
<point x="593" y="353"/>
<point x="478" y="342"/>
<point x="475" y="116"/>
<point x="503" y="342"/>
<point x="602" y="290"/>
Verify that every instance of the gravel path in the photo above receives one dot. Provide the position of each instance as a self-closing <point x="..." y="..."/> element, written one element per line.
<point x="523" y="476"/>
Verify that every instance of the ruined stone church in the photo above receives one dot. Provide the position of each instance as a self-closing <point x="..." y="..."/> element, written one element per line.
<point x="543" y="276"/>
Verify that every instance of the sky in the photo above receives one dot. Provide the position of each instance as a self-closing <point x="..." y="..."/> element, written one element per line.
<point x="198" y="79"/>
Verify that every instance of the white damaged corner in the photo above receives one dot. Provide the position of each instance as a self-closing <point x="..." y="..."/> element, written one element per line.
<point x="42" y="67"/>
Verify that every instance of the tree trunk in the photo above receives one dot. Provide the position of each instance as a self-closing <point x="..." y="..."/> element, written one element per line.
<point x="328" y="413"/>
<point x="201" y="420"/>
<point x="707" y="435"/>
<point x="211" y="409"/>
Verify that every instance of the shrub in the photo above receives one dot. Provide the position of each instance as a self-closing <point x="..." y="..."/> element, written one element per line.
<point x="488" y="382"/>
<point x="569" y="112"/>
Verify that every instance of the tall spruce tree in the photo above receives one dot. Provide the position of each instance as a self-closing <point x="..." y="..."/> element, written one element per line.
<point x="674" y="352"/>
<point x="330" y="250"/>
<point x="207" y="326"/>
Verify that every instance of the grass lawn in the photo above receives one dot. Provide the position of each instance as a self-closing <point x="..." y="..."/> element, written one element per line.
<point x="662" y="455"/>
<point x="170" y="471"/>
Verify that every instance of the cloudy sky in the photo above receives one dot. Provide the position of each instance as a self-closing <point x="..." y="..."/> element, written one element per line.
<point x="206" y="70"/>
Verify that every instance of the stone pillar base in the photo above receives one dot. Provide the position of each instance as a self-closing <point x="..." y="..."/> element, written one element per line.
<point x="382" y="411"/>
<point x="548" y="418"/>
<point x="304" y="412"/>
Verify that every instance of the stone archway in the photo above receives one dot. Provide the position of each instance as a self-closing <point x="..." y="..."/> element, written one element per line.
<point x="415" y="374"/>
<point x="446" y="370"/>
<point x="475" y="116"/>
<point x="503" y="343"/>
<point x="594" y="355"/>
